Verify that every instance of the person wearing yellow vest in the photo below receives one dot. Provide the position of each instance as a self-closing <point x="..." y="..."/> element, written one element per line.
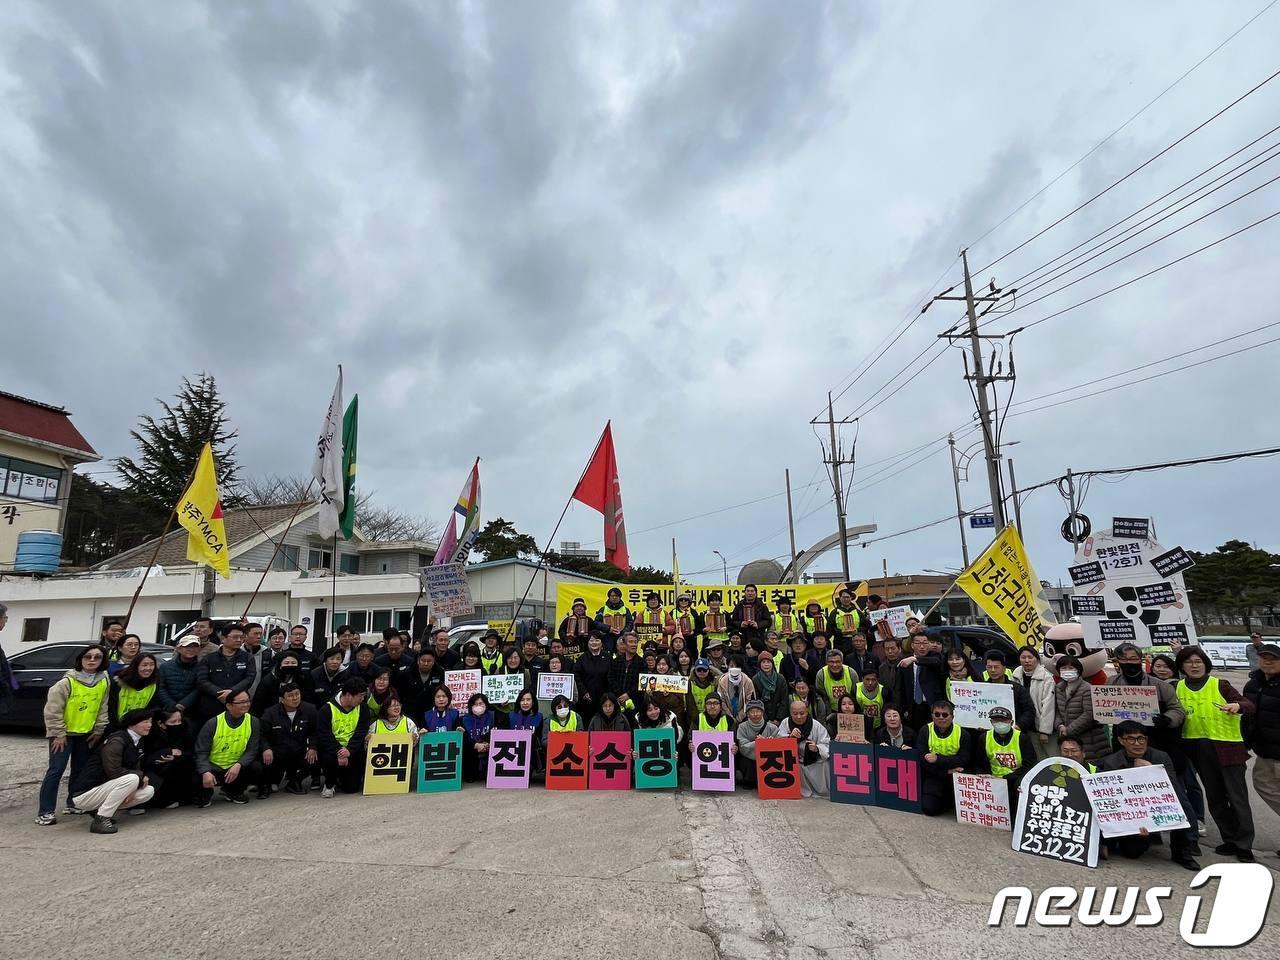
<point x="785" y="621"/>
<point x="563" y="719"/>
<point x="713" y="718"/>
<point x="75" y="717"/>
<point x="813" y="620"/>
<point x="944" y="748"/>
<point x="132" y="688"/>
<point x="1071" y="748"/>
<point x="1009" y="752"/>
<point x="834" y="680"/>
<point x="1214" y="742"/>
<point x="683" y="620"/>
<point x="343" y="722"/>
<point x="491" y="654"/>
<point x="843" y="622"/>
<point x="715" y="622"/>
<point x="227" y="752"/>
<point x="871" y="697"/>
<point x="702" y="683"/>
<point x="392" y="721"/>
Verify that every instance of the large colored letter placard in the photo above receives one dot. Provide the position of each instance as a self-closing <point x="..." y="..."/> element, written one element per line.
<point x="897" y="779"/>
<point x="388" y="764"/>
<point x="853" y="773"/>
<point x="567" y="761"/>
<point x="777" y="768"/>
<point x="655" y="758"/>
<point x="510" y="756"/>
<point x="610" y="767"/>
<point x="713" y="759"/>
<point x="440" y="761"/>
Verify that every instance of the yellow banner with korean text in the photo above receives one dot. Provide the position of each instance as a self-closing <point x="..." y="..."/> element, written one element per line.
<point x="633" y="595"/>
<point x="1004" y="584"/>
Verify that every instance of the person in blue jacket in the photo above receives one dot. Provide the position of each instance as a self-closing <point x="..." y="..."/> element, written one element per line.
<point x="477" y="724"/>
<point x="526" y="716"/>
<point x="442" y="716"/>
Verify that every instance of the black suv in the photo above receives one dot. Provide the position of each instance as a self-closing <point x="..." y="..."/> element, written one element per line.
<point x="39" y="668"/>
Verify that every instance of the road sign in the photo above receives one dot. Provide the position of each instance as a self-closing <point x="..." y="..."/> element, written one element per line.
<point x="978" y="521"/>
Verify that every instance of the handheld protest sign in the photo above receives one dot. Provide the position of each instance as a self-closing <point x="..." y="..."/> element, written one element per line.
<point x="974" y="701"/>
<point x="851" y="728"/>
<point x="1137" y="798"/>
<point x="982" y="800"/>
<point x="655" y="758"/>
<point x="897" y="779"/>
<point x="567" y="760"/>
<point x="510" y="756"/>
<point x="777" y="768"/>
<point x="388" y="764"/>
<point x="552" y="685"/>
<point x="440" y="761"/>
<point x="853" y="778"/>
<point x="609" y="767"/>
<point x="463" y="684"/>
<point x="713" y="760"/>
<point x="1055" y="819"/>
<point x="1112" y="704"/>
<point x="503" y="688"/>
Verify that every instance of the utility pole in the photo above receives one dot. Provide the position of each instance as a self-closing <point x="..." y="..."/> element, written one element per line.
<point x="208" y="593"/>
<point x="981" y="381"/>
<point x="791" y="523"/>
<point x="1013" y="493"/>
<point x="955" y="480"/>
<point x="836" y="460"/>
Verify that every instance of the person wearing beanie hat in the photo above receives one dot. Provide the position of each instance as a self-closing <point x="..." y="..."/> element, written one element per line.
<point x="702" y="683"/>
<point x="613" y="619"/>
<point x="113" y="779"/>
<point x="756" y="724"/>
<point x="713" y="716"/>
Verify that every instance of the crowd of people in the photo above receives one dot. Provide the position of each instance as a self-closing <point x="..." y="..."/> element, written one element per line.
<point x="234" y="712"/>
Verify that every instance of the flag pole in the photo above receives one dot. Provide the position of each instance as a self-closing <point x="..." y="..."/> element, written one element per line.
<point x="168" y="524"/>
<point x="333" y="596"/>
<point x="515" y="614"/>
<point x="278" y="543"/>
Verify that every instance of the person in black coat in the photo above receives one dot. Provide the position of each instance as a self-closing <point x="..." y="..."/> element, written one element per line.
<point x="288" y="668"/>
<point x="1263" y="735"/>
<point x="750" y="615"/>
<point x="893" y="732"/>
<point x="327" y="678"/>
<point x="591" y="676"/>
<point x="858" y="658"/>
<point x="290" y="743"/>
<point x="112" y="779"/>
<point x="342" y="756"/>
<point x="169" y="760"/>
<point x="624" y="673"/>
<point x="943" y="747"/>
<point x="420" y="685"/>
<point x="397" y="659"/>
<point x="920" y="680"/>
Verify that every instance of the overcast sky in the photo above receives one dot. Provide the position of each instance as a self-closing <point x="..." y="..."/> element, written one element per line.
<point x="513" y="222"/>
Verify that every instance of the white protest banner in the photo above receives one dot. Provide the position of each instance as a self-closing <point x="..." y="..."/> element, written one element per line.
<point x="503" y="688"/>
<point x="663" y="683"/>
<point x="447" y="590"/>
<point x="974" y="702"/>
<point x="552" y="685"/>
<point x="1125" y="801"/>
<point x="982" y="800"/>
<point x="1113" y="704"/>
<point x="463" y="684"/>
<point x="895" y="617"/>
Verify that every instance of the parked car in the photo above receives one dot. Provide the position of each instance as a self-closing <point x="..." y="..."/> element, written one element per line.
<point x="39" y="668"/>
<point x="464" y="632"/>
<point x="219" y="623"/>
<point x="973" y="641"/>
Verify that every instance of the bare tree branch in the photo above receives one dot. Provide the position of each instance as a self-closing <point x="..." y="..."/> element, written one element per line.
<point x="377" y="523"/>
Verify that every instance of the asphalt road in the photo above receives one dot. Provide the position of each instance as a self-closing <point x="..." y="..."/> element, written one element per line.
<point x="515" y="874"/>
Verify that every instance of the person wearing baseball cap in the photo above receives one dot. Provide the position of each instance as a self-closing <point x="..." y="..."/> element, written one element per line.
<point x="1009" y="752"/>
<point x="1263" y="689"/>
<point x="177" y="688"/>
<point x="702" y="683"/>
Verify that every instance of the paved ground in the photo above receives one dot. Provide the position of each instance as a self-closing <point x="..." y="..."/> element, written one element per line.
<point x="506" y="874"/>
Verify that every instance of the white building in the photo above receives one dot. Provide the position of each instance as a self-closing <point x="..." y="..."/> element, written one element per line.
<point x="376" y="586"/>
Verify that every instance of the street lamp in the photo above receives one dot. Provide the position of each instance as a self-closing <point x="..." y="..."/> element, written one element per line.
<point x="723" y="563"/>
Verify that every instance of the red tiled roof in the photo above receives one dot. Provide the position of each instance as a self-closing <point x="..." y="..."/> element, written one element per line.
<point x="40" y="421"/>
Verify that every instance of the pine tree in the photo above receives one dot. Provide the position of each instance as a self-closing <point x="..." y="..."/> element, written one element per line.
<point x="169" y="446"/>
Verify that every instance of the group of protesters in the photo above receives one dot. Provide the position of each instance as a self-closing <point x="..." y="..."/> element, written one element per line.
<point x="234" y="711"/>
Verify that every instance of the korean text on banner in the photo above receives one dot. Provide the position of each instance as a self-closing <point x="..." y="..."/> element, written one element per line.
<point x="982" y="800"/>
<point x="974" y="702"/>
<point x="633" y="595"/>
<point x="655" y="749"/>
<point x="895" y="619"/>
<point x="1126" y="801"/>
<point x="463" y="685"/>
<point x="713" y="758"/>
<point x="1003" y="583"/>
<point x="447" y="590"/>
<point x="663" y="683"/>
<point x="552" y="685"/>
<point x="440" y="761"/>
<point x="510" y="757"/>
<point x="503" y="688"/>
<point x="1113" y="704"/>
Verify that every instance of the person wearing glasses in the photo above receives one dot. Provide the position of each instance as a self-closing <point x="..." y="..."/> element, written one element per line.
<point x="1254" y="650"/>
<point x="227" y="752"/>
<point x="75" y="717"/>
<point x="1136" y="751"/>
<point x="944" y="748"/>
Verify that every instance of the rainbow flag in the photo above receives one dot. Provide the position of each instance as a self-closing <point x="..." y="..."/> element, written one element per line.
<point x="455" y="547"/>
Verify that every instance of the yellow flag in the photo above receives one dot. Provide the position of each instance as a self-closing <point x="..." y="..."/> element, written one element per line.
<point x="200" y="511"/>
<point x="1003" y="583"/>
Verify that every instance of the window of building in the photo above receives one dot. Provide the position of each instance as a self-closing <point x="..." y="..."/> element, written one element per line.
<point x="349" y="562"/>
<point x="381" y="620"/>
<point x="286" y="558"/>
<point x="35" y="630"/>
<point x="404" y="619"/>
<point x="358" y="620"/>
<point x="319" y="560"/>
<point x="29" y="481"/>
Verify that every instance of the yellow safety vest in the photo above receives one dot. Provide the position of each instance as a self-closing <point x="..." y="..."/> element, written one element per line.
<point x="83" y="703"/>
<point x="845" y="684"/>
<point x="130" y="699"/>
<point x="999" y="755"/>
<point x="343" y="722"/>
<point x="1204" y="720"/>
<point x="490" y="664"/>
<point x="721" y="725"/>
<point x="569" y="726"/>
<point x="402" y="726"/>
<point x="717" y="628"/>
<point x="847" y="621"/>
<point x="651" y="617"/>
<point x="864" y="701"/>
<point x="700" y="694"/>
<point x="786" y="623"/>
<point x="813" y="625"/>
<point x="677" y="617"/>
<point x="947" y="746"/>
<point x="229" y="742"/>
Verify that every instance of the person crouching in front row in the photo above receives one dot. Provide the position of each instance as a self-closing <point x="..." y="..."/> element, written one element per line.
<point x="112" y="779"/>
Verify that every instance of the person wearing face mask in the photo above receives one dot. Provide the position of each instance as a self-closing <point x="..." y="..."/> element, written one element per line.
<point x="1213" y="737"/>
<point x="1010" y="753"/>
<point x="1166" y="727"/>
<point x="169" y="760"/>
<point x="477" y="726"/>
<point x="1073" y="710"/>
<point x="735" y="689"/>
<point x="563" y="719"/>
<point x="288" y="668"/>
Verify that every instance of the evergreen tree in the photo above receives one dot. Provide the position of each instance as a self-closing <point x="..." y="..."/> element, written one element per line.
<point x="168" y="447"/>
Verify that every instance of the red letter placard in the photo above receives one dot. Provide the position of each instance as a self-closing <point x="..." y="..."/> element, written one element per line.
<point x="610" y="767"/>
<point x="777" y="768"/>
<point x="567" y="761"/>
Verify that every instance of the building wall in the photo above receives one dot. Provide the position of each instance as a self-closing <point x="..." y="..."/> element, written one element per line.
<point x="18" y="514"/>
<point x="305" y="535"/>
<point x="392" y="562"/>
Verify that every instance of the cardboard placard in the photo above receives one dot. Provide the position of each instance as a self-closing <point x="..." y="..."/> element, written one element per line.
<point x="1114" y="704"/>
<point x="1055" y="817"/>
<point x="777" y="768"/>
<point x="609" y="767"/>
<point x="567" y="760"/>
<point x="853" y="773"/>
<point x="440" y="761"/>
<point x="851" y="728"/>
<point x="388" y="764"/>
<point x="510" y="759"/>
<point x="655" y="762"/>
<point x="447" y="590"/>
<point x="1126" y="801"/>
<point x="982" y="800"/>
<point x="974" y="702"/>
<point x="713" y="761"/>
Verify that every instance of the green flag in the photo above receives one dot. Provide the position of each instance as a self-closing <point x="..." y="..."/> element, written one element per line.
<point x="347" y="519"/>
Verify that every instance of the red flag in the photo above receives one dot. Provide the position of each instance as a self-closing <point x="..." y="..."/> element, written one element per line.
<point x="599" y="490"/>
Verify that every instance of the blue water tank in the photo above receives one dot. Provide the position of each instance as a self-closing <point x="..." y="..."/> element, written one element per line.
<point x="38" y="551"/>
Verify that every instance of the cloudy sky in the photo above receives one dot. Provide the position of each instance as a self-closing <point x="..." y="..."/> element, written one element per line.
<point x="513" y="222"/>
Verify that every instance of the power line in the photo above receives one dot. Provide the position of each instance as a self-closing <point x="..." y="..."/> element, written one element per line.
<point x="1097" y="146"/>
<point x="1146" y="163"/>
